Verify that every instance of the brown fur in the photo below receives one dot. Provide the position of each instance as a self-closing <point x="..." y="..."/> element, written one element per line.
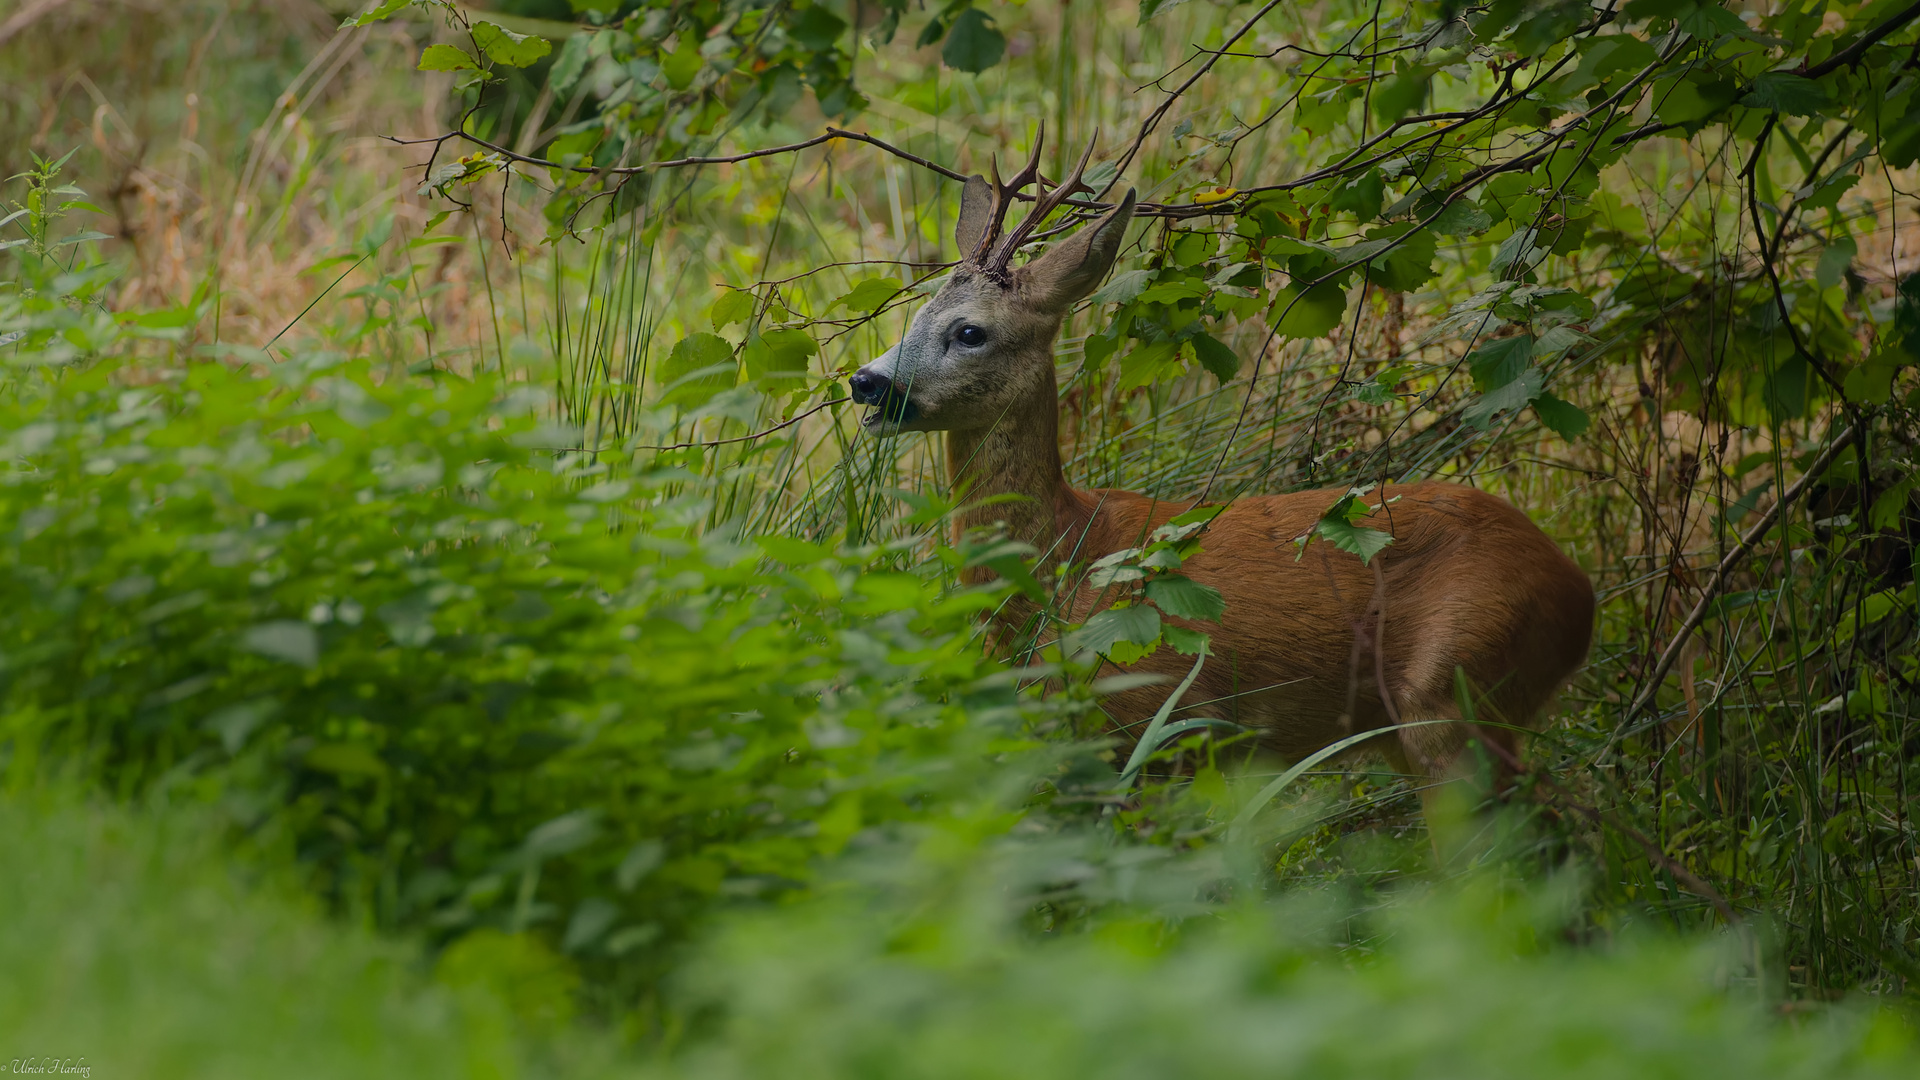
<point x="1467" y="582"/>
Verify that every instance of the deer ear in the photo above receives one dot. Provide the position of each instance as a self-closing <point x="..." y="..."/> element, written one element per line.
<point x="1071" y="268"/>
<point x="976" y="214"/>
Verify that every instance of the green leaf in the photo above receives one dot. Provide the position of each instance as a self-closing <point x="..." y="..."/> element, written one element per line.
<point x="344" y="759"/>
<point x="1098" y="347"/>
<point x="1308" y="313"/>
<point x="1826" y="194"/>
<point x="817" y="29"/>
<point x="734" y="306"/>
<point x="700" y="366"/>
<point x="1360" y="197"/>
<point x="571" y="63"/>
<point x="1785" y="388"/>
<point x="1357" y="539"/>
<point x="1565" y="419"/>
<point x="974" y="44"/>
<point x="1517" y="251"/>
<point x="386" y="10"/>
<point x="1500" y="361"/>
<point x="1320" y="113"/>
<point x="1400" y="95"/>
<point x="1146" y="363"/>
<point x="1407" y="265"/>
<point x="1184" y="598"/>
<point x="1136" y="624"/>
<point x="867" y="295"/>
<point x="506" y="47"/>
<point x="1123" y="288"/>
<point x="1191" y="248"/>
<point x="1602" y="56"/>
<point x="1871" y="383"/>
<point x="1707" y="19"/>
<point x="1693" y="98"/>
<point x="1184" y="641"/>
<point x="1511" y="396"/>
<point x="1783" y="91"/>
<point x="1548" y="25"/>
<point x="284" y="639"/>
<point x="931" y="32"/>
<point x="1199" y="515"/>
<point x="792" y="551"/>
<point x="1172" y="292"/>
<point x="1462" y="217"/>
<point x="778" y="353"/>
<point x="1834" y="261"/>
<point x="447" y="58"/>
<point x="780" y="90"/>
<point x="681" y="65"/>
<point x="1215" y="356"/>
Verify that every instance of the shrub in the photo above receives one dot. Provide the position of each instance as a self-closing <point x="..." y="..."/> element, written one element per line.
<point x="473" y="680"/>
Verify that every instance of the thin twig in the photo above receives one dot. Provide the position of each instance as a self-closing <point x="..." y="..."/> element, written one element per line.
<point x="1725" y="570"/>
<point x="831" y="135"/>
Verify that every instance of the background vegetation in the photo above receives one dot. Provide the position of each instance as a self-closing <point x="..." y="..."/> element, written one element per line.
<point x="386" y="551"/>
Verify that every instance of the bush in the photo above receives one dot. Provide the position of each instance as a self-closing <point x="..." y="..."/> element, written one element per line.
<point x="941" y="976"/>
<point x="473" y="681"/>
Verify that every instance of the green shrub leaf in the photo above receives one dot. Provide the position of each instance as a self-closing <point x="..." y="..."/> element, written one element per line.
<point x="974" y="44"/>
<point x="1184" y="598"/>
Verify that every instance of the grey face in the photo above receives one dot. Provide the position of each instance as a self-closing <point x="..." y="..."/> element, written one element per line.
<point x="983" y="347"/>
<point x="966" y="359"/>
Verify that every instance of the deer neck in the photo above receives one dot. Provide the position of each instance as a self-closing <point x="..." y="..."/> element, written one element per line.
<point x="1017" y="456"/>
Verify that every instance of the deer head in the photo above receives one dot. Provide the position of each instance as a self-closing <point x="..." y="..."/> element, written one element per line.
<point x="980" y="352"/>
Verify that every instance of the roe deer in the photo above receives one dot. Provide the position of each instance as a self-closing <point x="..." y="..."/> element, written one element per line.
<point x="1306" y="653"/>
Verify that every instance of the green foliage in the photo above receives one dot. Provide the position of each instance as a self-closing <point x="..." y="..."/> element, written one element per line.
<point x="1147" y="579"/>
<point x="954" y="988"/>
<point x="974" y="43"/>
<point x="481" y="682"/>
<point x="1337" y="527"/>
<point x="922" y="960"/>
<point x="137" y="946"/>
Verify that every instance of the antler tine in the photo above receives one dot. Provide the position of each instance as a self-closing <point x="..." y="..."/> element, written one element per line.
<point x="996" y="215"/>
<point x="1003" y="197"/>
<point x="1046" y="203"/>
<point x="1031" y="174"/>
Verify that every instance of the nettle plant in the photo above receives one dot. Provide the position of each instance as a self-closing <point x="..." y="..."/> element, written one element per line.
<point x="1149" y="583"/>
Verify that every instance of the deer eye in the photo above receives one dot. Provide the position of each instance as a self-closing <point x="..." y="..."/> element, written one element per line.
<point x="971" y="336"/>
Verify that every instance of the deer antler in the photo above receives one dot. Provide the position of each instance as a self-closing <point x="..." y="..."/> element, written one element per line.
<point x="1003" y="198"/>
<point x="1045" y="202"/>
<point x="995" y="249"/>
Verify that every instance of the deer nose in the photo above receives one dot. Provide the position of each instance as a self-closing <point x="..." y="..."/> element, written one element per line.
<point x="868" y="388"/>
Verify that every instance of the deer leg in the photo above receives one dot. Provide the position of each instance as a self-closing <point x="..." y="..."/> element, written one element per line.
<point x="1458" y="781"/>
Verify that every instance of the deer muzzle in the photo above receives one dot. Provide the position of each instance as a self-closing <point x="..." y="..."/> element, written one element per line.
<point x="891" y="404"/>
